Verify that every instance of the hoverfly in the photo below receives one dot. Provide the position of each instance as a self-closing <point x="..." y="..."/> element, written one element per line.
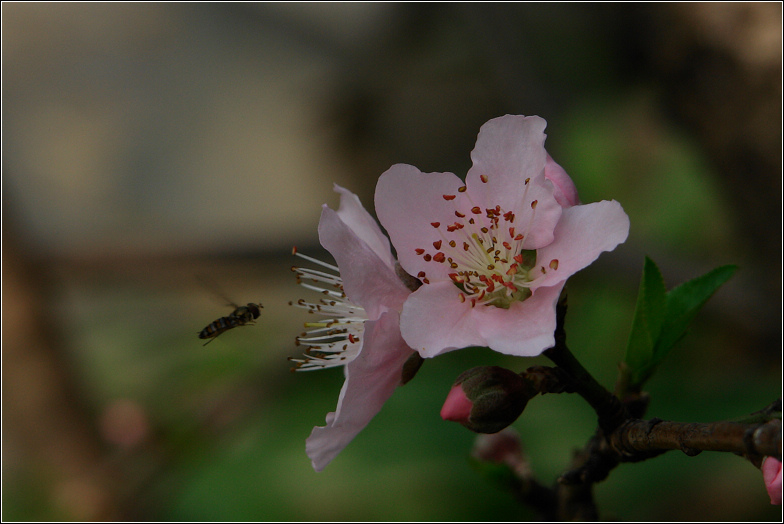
<point x="241" y="316"/>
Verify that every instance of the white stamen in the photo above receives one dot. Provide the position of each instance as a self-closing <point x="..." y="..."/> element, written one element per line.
<point x="337" y="339"/>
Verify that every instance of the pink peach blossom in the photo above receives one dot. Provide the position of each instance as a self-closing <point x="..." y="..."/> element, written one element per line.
<point x="494" y="252"/>
<point x="771" y="474"/>
<point x="362" y="331"/>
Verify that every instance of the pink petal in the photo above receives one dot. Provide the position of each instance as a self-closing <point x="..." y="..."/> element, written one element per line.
<point x="354" y="215"/>
<point x="510" y="150"/>
<point x="457" y="407"/>
<point x="526" y="328"/>
<point x="771" y="474"/>
<point x="565" y="190"/>
<point x="408" y="202"/>
<point x="582" y="234"/>
<point x="371" y="379"/>
<point x="367" y="280"/>
<point x="434" y="321"/>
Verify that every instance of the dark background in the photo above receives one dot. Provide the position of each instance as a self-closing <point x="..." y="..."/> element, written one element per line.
<point x="149" y="149"/>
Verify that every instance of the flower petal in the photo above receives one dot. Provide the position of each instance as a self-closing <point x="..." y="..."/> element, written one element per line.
<point x="448" y="323"/>
<point x="371" y="379"/>
<point x="457" y="406"/>
<point x="565" y="190"/>
<point x="582" y="234"/>
<point x="367" y="280"/>
<point x="510" y="151"/>
<point x="408" y="203"/>
<point x="354" y="215"/>
<point x="525" y="329"/>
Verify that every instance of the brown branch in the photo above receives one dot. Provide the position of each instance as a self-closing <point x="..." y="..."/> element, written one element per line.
<point x="623" y="437"/>
<point x="637" y="437"/>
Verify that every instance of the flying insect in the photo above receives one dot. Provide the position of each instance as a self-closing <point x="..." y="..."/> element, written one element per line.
<point x="241" y="316"/>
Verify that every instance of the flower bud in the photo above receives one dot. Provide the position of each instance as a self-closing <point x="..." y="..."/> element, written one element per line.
<point x="504" y="447"/>
<point x="771" y="474"/>
<point x="487" y="399"/>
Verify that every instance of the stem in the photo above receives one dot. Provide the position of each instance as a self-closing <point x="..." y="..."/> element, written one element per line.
<point x="607" y="406"/>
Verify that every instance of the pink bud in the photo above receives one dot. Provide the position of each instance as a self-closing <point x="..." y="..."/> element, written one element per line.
<point x="503" y="447"/>
<point x="457" y="407"/>
<point x="771" y="474"/>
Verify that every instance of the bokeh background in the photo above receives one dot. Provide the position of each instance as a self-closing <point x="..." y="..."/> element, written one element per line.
<point x="155" y="153"/>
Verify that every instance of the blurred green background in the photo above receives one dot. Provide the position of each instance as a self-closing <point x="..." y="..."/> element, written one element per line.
<point x="148" y="148"/>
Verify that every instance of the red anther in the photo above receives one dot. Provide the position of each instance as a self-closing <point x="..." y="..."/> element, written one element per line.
<point x="461" y="297"/>
<point x="437" y="244"/>
<point x="435" y="224"/>
<point x="419" y="251"/>
<point x="507" y="245"/>
<point x="439" y="257"/>
<point x="465" y="246"/>
<point x="519" y="237"/>
<point x="476" y="210"/>
<point x="512" y="269"/>
<point x="351" y="338"/>
<point x="427" y="257"/>
<point x="533" y="204"/>
<point x="498" y="278"/>
<point x="421" y="274"/>
<point x="459" y="214"/>
<point x="483" y="178"/>
<point x="456" y="278"/>
<point x="554" y="263"/>
<point x="425" y="281"/>
<point x="451" y="229"/>
<point x="473" y="302"/>
<point x="294" y="250"/>
<point x="449" y="197"/>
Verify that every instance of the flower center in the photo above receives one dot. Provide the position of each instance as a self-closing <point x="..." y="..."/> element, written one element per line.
<point x="484" y="251"/>
<point x="335" y="340"/>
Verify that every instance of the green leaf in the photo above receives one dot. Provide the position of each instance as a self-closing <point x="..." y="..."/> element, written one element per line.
<point x="661" y="319"/>
<point x="649" y="316"/>
<point x="684" y="302"/>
